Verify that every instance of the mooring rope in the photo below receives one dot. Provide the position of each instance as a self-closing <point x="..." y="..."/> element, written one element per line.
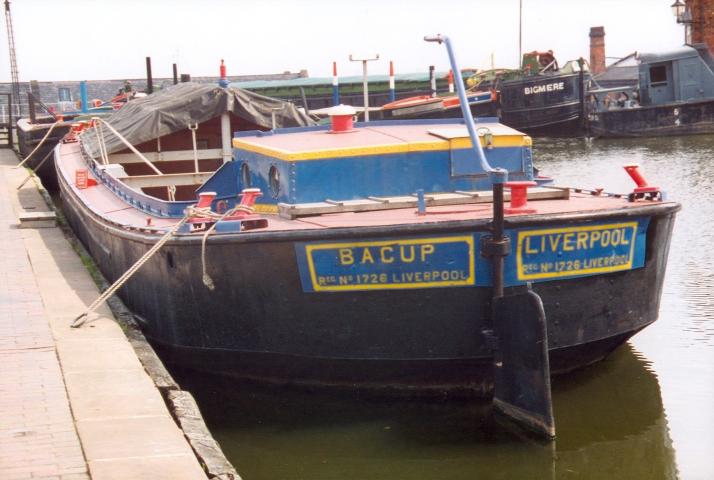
<point x="52" y="127"/>
<point x="207" y="280"/>
<point x="37" y="168"/>
<point x="191" y="212"/>
<point x="82" y="318"/>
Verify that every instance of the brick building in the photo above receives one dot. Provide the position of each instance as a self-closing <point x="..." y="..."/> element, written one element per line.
<point x="699" y="22"/>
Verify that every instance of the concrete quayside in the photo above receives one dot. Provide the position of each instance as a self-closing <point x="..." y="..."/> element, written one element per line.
<point x="80" y="403"/>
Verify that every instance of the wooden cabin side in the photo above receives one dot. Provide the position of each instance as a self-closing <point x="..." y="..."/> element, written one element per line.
<point x="173" y="155"/>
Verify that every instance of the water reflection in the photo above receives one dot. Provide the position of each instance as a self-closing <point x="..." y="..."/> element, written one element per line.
<point x="679" y="344"/>
<point x="609" y="417"/>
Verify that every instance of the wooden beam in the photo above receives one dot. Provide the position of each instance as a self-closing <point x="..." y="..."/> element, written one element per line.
<point x="409" y="201"/>
<point x="177" y="179"/>
<point x="176" y="155"/>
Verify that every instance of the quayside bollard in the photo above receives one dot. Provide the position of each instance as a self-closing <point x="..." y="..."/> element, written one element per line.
<point x="521" y="367"/>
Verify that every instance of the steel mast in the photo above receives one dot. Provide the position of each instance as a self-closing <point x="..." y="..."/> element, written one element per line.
<point x="13" y="57"/>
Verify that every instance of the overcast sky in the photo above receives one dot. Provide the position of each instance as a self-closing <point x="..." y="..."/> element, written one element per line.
<point x="102" y="39"/>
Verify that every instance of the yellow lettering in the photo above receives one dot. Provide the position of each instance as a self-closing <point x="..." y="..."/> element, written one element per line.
<point x="383" y="254"/>
<point x="568" y="242"/>
<point x="594" y="237"/>
<point x="530" y="250"/>
<point x="605" y="238"/>
<point x="367" y="256"/>
<point x="427" y="249"/>
<point x="616" y="237"/>
<point x="554" y="241"/>
<point x="346" y="257"/>
<point x="406" y="259"/>
<point x="582" y="242"/>
<point x="624" y="240"/>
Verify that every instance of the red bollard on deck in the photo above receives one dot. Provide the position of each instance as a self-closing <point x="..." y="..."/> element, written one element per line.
<point x="519" y="197"/>
<point x="342" y="118"/>
<point x="633" y="170"/>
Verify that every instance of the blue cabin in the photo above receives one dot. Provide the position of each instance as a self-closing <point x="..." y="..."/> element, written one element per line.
<point x="375" y="159"/>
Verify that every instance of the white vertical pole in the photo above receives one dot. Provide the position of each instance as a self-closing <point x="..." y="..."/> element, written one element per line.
<point x="227" y="152"/>
<point x="365" y="86"/>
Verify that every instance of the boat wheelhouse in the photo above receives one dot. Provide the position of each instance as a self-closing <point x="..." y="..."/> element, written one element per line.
<point x="671" y="94"/>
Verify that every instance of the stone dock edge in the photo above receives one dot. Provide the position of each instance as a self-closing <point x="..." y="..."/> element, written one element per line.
<point x="180" y="403"/>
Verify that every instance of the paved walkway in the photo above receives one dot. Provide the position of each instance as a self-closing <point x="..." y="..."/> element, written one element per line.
<point x="74" y="403"/>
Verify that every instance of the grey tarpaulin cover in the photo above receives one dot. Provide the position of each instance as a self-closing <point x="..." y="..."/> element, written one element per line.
<point x="174" y="108"/>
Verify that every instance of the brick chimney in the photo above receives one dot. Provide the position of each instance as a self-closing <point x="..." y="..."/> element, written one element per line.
<point x="597" y="49"/>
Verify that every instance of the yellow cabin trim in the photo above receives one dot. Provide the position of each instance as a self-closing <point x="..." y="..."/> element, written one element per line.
<point x="423" y="146"/>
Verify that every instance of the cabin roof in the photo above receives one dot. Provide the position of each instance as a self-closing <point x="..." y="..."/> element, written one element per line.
<point x="372" y="139"/>
<point x="669" y="55"/>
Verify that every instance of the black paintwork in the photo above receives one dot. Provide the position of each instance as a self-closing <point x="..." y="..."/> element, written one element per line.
<point x="521" y="364"/>
<point x="681" y="118"/>
<point x="258" y="322"/>
<point x="557" y="113"/>
<point x="553" y="114"/>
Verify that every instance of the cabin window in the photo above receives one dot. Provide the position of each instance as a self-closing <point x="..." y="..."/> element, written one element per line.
<point x="64" y="94"/>
<point x="274" y="181"/>
<point x="245" y="175"/>
<point x="658" y="76"/>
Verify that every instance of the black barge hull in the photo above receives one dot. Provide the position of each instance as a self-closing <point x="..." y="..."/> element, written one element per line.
<point x="661" y="120"/>
<point x="544" y="105"/>
<point x="258" y="323"/>
<point x="29" y="137"/>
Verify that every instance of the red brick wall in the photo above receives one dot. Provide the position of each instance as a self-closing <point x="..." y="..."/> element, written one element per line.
<point x="597" y="49"/>
<point x="702" y="21"/>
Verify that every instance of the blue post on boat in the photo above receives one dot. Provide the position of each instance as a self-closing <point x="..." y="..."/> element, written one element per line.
<point x="432" y="80"/>
<point x="83" y="95"/>
<point x="392" y="87"/>
<point x="335" y="85"/>
<point x="421" y="202"/>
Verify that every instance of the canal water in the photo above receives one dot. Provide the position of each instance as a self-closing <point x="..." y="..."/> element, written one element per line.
<point x="646" y="412"/>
